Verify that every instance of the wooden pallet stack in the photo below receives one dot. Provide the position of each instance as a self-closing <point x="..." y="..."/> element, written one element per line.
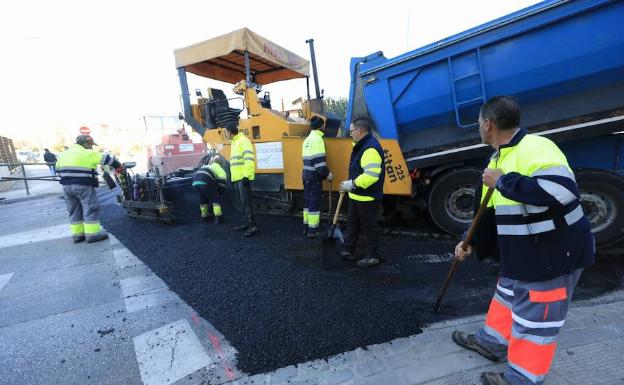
<point x="7" y="151"/>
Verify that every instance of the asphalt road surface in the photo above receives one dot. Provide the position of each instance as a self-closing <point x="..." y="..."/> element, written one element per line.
<point x="276" y="306"/>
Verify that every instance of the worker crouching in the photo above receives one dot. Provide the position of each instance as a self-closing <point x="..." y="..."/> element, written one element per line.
<point x="77" y="168"/>
<point x="534" y="223"/>
<point x="314" y="171"/>
<point x="210" y="182"/>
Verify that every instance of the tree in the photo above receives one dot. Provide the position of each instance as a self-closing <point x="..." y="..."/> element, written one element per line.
<point x="336" y="105"/>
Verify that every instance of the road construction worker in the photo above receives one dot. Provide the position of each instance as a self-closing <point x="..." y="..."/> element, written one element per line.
<point x="210" y="183"/>
<point x="242" y="172"/>
<point x="314" y="171"/>
<point x="365" y="188"/>
<point x="535" y="224"/>
<point x="77" y="167"/>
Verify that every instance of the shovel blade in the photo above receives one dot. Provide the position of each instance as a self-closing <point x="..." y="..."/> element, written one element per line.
<point x="331" y="248"/>
<point x="337" y="234"/>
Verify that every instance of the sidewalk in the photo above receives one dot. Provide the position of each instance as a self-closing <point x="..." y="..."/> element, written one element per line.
<point x="36" y="188"/>
<point x="76" y="314"/>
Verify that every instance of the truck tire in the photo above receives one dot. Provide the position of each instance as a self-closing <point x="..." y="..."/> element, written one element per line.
<point x="451" y="200"/>
<point x="602" y="198"/>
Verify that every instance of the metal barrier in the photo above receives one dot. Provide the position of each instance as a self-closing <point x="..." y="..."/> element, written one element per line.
<point x="25" y="178"/>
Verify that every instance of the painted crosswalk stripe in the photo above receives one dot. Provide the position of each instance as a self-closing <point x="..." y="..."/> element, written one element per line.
<point x="141" y="284"/>
<point x="169" y="353"/>
<point x="4" y="279"/>
<point x="37" y="235"/>
<point x="125" y="259"/>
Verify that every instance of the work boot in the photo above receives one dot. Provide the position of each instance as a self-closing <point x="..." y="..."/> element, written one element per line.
<point x="78" y="238"/>
<point x="241" y="228"/>
<point x="491" y="378"/>
<point x="469" y="341"/>
<point x="314" y="233"/>
<point x="97" y="238"/>
<point x="251" y="231"/>
<point x="218" y="219"/>
<point x="367" y="262"/>
<point x="348" y="255"/>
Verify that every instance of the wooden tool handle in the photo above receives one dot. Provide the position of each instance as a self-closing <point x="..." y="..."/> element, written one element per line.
<point x="331" y="203"/>
<point x="465" y="244"/>
<point x="475" y="221"/>
<point x="342" y="194"/>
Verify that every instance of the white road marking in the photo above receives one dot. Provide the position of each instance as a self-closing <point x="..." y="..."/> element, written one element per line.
<point x="147" y="300"/>
<point x="37" y="235"/>
<point x="141" y="284"/>
<point x="4" y="279"/>
<point x="125" y="259"/>
<point x="169" y="353"/>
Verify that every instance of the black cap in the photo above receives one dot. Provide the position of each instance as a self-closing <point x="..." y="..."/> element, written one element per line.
<point x="84" y="139"/>
<point x="232" y="127"/>
<point x="316" y="122"/>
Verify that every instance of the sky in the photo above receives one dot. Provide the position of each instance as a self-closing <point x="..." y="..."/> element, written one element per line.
<point x="66" y="64"/>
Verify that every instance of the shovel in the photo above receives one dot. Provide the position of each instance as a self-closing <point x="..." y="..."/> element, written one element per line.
<point x="333" y="239"/>
<point x="469" y="235"/>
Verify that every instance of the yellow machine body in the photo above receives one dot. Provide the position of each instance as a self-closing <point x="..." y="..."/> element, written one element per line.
<point x="278" y="142"/>
<point x="397" y="182"/>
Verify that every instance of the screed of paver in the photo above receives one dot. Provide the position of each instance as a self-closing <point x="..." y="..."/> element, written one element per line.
<point x="37" y="235"/>
<point x="4" y="279"/>
<point x="169" y="353"/>
<point x="125" y="259"/>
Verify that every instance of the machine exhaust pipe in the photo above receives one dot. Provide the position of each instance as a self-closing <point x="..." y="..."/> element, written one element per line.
<point x="314" y="71"/>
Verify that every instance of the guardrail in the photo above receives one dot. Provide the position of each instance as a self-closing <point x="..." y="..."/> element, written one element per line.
<point x="25" y="178"/>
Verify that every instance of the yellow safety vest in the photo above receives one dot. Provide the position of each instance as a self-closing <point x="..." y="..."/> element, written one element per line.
<point x="78" y="165"/>
<point x="242" y="162"/>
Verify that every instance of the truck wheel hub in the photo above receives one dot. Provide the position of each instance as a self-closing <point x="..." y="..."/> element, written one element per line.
<point x="459" y="204"/>
<point x="599" y="211"/>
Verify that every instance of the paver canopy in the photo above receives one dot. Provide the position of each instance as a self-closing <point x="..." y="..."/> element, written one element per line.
<point x="222" y="58"/>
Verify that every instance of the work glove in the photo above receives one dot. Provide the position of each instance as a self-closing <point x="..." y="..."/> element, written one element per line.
<point x="330" y="177"/>
<point x="120" y="169"/>
<point x="346" y="186"/>
<point x="245" y="182"/>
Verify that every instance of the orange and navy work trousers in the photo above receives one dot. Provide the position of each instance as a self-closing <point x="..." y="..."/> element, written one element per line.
<point x="523" y="323"/>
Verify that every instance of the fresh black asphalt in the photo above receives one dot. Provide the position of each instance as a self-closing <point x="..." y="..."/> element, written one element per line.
<point x="276" y="306"/>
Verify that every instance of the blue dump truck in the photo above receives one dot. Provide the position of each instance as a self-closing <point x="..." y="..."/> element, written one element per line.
<point x="563" y="61"/>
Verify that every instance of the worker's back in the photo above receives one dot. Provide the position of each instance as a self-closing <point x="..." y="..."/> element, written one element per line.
<point x="78" y="165"/>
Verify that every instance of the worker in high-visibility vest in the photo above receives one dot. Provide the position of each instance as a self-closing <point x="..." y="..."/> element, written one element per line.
<point x="210" y="183"/>
<point x="242" y="173"/>
<point x="535" y="225"/>
<point x="365" y="188"/>
<point x="314" y="171"/>
<point x="77" y="167"/>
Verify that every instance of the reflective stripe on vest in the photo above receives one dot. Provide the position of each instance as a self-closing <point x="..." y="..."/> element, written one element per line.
<point x="514" y="218"/>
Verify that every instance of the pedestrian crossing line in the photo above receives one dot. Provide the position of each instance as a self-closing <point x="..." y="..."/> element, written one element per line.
<point x="125" y="259"/>
<point x="169" y="353"/>
<point x="4" y="279"/>
<point x="37" y="235"/>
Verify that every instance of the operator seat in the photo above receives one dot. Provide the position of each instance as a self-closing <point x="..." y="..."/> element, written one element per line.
<point x="220" y="109"/>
